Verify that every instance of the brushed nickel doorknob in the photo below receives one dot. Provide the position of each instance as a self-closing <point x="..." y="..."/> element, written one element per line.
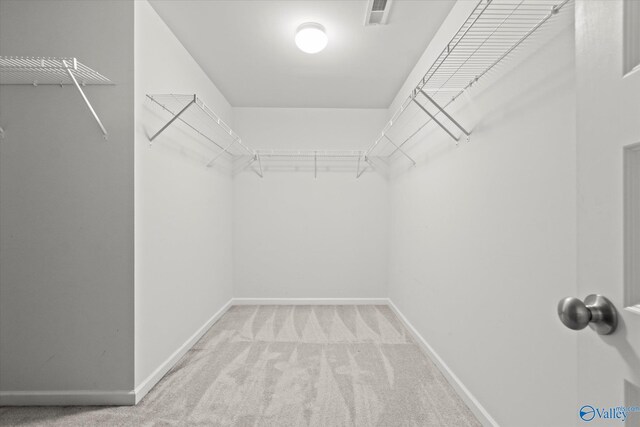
<point x="596" y="311"/>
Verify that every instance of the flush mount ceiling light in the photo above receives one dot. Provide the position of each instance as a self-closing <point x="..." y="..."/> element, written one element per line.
<point x="311" y="37"/>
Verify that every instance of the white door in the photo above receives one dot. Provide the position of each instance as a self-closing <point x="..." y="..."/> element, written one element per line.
<point x="608" y="126"/>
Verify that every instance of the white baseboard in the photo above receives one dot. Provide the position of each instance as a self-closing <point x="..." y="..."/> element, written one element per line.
<point x="310" y="301"/>
<point x="146" y="385"/>
<point x="67" y="398"/>
<point x="108" y="398"/>
<point x="478" y="410"/>
<point x="92" y="397"/>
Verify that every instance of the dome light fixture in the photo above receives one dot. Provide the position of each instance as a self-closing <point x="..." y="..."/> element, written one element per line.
<point x="311" y="37"/>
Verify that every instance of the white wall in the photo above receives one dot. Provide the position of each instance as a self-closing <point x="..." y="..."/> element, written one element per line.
<point x="66" y="206"/>
<point x="483" y="238"/>
<point x="183" y="210"/>
<point x="300" y="237"/>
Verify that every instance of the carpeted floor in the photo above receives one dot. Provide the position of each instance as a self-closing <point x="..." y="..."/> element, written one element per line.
<point x="287" y="366"/>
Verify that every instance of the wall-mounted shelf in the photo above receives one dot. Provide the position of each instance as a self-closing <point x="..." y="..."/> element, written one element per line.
<point x="24" y="70"/>
<point x="193" y="113"/>
<point x="314" y="159"/>
<point x="196" y="115"/>
<point x="493" y="30"/>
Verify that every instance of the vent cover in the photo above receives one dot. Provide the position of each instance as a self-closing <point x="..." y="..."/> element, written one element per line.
<point x="377" y="12"/>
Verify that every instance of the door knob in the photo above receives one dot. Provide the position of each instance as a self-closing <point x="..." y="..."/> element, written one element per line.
<point x="596" y="311"/>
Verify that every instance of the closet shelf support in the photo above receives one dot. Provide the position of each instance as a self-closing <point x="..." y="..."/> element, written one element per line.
<point x="433" y="117"/>
<point x="174" y="118"/>
<point x="86" y="100"/>
<point x="366" y="160"/>
<point x="447" y="115"/>
<point x="252" y="161"/>
<point x="260" y="165"/>
<point x="315" y="164"/>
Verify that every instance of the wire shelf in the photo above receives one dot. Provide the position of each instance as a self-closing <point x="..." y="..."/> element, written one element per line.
<point x="312" y="160"/>
<point x="39" y="70"/>
<point x="311" y="154"/>
<point x="192" y="112"/>
<point x="31" y="70"/>
<point x="197" y="116"/>
<point x="493" y="30"/>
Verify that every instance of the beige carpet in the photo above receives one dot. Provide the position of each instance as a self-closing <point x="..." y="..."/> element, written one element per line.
<point x="287" y="366"/>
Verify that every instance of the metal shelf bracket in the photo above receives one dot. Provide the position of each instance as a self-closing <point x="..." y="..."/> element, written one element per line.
<point x="260" y="165"/>
<point x="445" y="113"/>
<point x="173" y="119"/>
<point x="366" y="160"/>
<point x="84" y="97"/>
<point x="435" y="120"/>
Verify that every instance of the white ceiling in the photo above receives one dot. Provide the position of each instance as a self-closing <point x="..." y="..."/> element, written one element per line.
<point x="247" y="49"/>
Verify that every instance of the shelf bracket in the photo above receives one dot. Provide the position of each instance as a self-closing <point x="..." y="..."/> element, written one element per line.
<point x="86" y="100"/>
<point x="358" y="167"/>
<point x="435" y="120"/>
<point x="1" y="133"/>
<point x="446" y="114"/>
<point x="252" y="161"/>
<point x="260" y="165"/>
<point x="174" y="118"/>
<point x="413" y="162"/>
<point x="365" y="167"/>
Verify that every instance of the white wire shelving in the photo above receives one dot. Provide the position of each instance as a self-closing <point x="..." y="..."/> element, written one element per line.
<point x="192" y="112"/>
<point x="195" y="114"/>
<point x="314" y="159"/>
<point x="493" y="30"/>
<point x="32" y="70"/>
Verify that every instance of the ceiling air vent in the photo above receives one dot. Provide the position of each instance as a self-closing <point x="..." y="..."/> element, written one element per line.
<point x="377" y="12"/>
